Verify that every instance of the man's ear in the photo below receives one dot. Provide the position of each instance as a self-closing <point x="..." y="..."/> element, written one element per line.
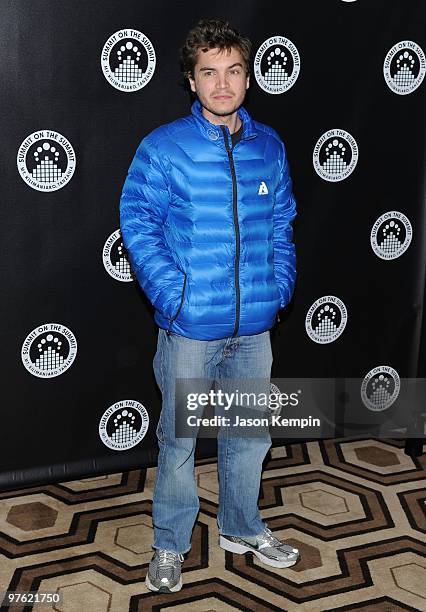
<point x="248" y="81"/>
<point x="191" y="81"/>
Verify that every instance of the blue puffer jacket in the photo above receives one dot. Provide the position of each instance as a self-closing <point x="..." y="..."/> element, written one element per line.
<point x="208" y="228"/>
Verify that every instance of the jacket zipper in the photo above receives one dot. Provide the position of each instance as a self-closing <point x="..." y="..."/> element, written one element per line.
<point x="237" y="230"/>
<point x="180" y="305"/>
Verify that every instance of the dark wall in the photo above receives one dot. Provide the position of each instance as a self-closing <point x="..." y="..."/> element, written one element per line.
<point x="61" y="257"/>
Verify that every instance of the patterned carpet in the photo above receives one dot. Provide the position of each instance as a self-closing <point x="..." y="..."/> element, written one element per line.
<point x="356" y="510"/>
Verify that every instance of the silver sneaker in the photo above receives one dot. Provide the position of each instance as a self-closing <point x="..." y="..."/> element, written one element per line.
<point x="164" y="571"/>
<point x="265" y="546"/>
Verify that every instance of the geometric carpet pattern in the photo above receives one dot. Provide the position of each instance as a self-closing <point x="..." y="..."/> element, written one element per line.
<point x="356" y="509"/>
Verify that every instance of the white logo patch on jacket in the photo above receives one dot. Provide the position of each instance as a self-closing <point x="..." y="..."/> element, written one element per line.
<point x="263" y="190"/>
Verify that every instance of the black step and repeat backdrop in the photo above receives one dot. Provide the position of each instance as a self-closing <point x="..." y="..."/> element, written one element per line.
<point x="82" y="83"/>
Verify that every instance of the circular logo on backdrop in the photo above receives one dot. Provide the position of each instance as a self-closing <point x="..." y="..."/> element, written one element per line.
<point x="114" y="258"/>
<point x="326" y="319"/>
<point x="123" y="425"/>
<point x="404" y="67"/>
<point x="380" y="388"/>
<point x="276" y="65"/>
<point x="128" y="60"/>
<point x="335" y="155"/>
<point x="46" y="160"/>
<point x="391" y="235"/>
<point x="49" y="350"/>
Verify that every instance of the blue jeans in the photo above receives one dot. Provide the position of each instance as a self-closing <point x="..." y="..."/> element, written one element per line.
<point x="175" y="499"/>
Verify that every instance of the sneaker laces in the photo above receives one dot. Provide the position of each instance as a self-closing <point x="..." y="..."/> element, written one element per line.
<point x="268" y="538"/>
<point x="166" y="558"/>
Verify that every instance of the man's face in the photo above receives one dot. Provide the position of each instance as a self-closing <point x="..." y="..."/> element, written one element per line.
<point x="220" y="82"/>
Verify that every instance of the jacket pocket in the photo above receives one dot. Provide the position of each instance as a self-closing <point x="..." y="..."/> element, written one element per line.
<point x="182" y="298"/>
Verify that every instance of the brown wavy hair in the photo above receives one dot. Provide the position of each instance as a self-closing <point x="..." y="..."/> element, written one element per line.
<point x="208" y="34"/>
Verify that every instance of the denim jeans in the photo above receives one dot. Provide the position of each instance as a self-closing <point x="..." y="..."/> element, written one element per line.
<point x="175" y="498"/>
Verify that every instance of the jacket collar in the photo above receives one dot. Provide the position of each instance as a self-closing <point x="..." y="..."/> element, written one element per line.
<point x="214" y="132"/>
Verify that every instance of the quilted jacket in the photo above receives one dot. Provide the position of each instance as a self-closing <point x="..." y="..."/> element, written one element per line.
<point x="207" y="227"/>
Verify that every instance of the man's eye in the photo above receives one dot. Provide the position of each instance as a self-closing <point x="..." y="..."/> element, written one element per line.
<point x="208" y="73"/>
<point x="235" y="71"/>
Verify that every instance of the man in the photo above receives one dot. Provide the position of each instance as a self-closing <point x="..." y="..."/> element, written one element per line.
<point x="206" y="214"/>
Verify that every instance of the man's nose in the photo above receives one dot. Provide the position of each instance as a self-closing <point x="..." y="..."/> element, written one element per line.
<point x="222" y="81"/>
